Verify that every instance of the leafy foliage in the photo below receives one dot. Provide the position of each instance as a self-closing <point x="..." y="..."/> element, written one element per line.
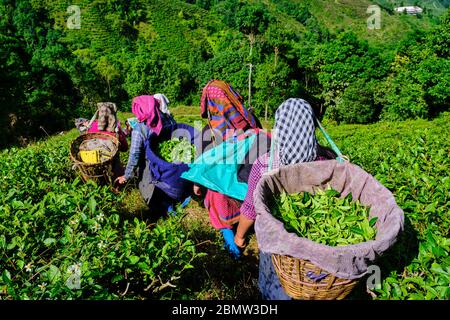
<point x="40" y="198"/>
<point x="325" y="218"/>
<point x="410" y="159"/>
<point x="55" y="228"/>
<point x="317" y="50"/>
<point x="177" y="150"/>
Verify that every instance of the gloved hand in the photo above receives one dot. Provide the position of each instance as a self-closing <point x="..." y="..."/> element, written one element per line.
<point x="228" y="236"/>
<point x="171" y="211"/>
<point x="172" y="208"/>
<point x="185" y="202"/>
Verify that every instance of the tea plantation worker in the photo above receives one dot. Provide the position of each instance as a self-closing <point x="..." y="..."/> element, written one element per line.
<point x="224" y="108"/>
<point x="148" y="119"/>
<point x="105" y="121"/>
<point x="295" y="142"/>
<point x="108" y="123"/>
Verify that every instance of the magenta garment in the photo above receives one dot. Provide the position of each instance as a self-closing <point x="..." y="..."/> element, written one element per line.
<point x="146" y="108"/>
<point x="258" y="169"/>
<point x="223" y="210"/>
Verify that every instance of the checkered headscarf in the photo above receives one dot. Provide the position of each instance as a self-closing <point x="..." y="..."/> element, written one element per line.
<point x="294" y="129"/>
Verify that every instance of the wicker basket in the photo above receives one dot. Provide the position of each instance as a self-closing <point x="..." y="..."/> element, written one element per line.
<point x="297" y="279"/>
<point x="101" y="172"/>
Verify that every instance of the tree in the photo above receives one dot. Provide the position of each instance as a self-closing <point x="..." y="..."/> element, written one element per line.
<point x="107" y="71"/>
<point x="252" y="18"/>
<point x="273" y="84"/>
<point x="357" y="103"/>
<point x="39" y="93"/>
<point x="343" y="62"/>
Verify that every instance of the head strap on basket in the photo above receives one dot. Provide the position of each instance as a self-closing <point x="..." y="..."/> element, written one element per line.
<point x="340" y="157"/>
<point x="272" y="150"/>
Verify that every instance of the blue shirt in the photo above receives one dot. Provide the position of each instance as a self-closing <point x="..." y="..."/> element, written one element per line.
<point x="137" y="147"/>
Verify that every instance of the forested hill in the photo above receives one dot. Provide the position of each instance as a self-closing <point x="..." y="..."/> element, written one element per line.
<point x="354" y="65"/>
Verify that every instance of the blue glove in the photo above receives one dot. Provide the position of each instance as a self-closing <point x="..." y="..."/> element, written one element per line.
<point x="228" y="236"/>
<point x="185" y="202"/>
<point x="171" y="209"/>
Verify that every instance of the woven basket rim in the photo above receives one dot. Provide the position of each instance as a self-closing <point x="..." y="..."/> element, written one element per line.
<point x="91" y="135"/>
<point x="332" y="287"/>
<point x="344" y="282"/>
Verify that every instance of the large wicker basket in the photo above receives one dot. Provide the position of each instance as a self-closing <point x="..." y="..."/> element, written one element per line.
<point x="101" y="172"/>
<point x="303" y="280"/>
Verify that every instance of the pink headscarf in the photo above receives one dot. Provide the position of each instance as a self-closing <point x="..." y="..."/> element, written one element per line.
<point x="146" y="108"/>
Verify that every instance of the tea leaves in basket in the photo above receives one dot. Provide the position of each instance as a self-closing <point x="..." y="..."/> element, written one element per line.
<point x="177" y="150"/>
<point x="325" y="218"/>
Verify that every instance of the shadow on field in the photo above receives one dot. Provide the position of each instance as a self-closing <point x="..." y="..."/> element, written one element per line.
<point x="216" y="275"/>
<point x="134" y="206"/>
<point x="394" y="260"/>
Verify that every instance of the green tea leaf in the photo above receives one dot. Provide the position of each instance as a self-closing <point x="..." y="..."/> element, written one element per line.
<point x="92" y="204"/>
<point x="49" y="241"/>
<point x="53" y="274"/>
<point x="373" y="221"/>
<point x="133" y="259"/>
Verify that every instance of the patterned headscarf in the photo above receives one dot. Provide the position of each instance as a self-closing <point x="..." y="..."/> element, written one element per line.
<point x="224" y="108"/>
<point x="295" y="132"/>
<point x="107" y="118"/>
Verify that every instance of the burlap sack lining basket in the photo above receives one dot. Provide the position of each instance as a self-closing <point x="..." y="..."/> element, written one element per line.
<point x="99" y="172"/>
<point x="342" y="264"/>
<point x="292" y="275"/>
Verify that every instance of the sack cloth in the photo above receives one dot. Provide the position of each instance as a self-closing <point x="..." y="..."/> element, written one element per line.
<point x="166" y="175"/>
<point x="348" y="262"/>
<point x="105" y="147"/>
<point x="217" y="168"/>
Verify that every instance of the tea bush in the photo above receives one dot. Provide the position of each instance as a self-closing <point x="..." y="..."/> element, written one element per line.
<point x="411" y="159"/>
<point x="54" y="230"/>
<point x="53" y="227"/>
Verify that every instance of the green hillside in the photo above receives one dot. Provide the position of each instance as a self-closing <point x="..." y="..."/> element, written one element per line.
<point x="353" y="15"/>
<point x="320" y="50"/>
